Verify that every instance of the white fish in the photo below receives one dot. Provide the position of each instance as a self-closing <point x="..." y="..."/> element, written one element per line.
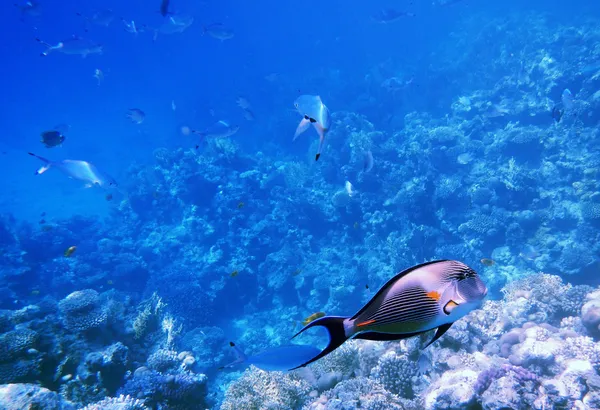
<point x="173" y="106"/>
<point x="567" y="100"/>
<point x="79" y="170"/>
<point x="75" y="46"/>
<point x="220" y="129"/>
<point x="313" y="112"/>
<point x="174" y="24"/>
<point x="99" y="75"/>
<point x="349" y="188"/>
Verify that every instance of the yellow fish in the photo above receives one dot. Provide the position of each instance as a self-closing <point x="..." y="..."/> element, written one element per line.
<point x="70" y="251"/>
<point x="313" y="317"/>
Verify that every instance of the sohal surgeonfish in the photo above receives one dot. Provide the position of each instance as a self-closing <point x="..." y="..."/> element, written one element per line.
<point x="281" y="358"/>
<point x="429" y="296"/>
<point x="313" y="112"/>
<point x="79" y="170"/>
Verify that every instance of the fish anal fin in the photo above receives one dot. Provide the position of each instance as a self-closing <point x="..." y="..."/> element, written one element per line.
<point x="439" y="333"/>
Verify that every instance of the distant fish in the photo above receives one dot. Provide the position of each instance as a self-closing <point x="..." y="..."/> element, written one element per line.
<point x="70" y="251"/>
<point x="429" y="296"/>
<point x="29" y="8"/>
<point x="164" y="8"/>
<point x="79" y="170"/>
<point x="313" y="317"/>
<point x="52" y="139"/>
<point x="557" y="112"/>
<point x="220" y="129"/>
<point x="98" y="75"/>
<point x="297" y="272"/>
<point x="234" y="273"/>
<point x="243" y="103"/>
<point x="368" y="161"/>
<point x="391" y="15"/>
<point x="487" y="261"/>
<point x="136" y="115"/>
<point x="73" y="46"/>
<point x="101" y="18"/>
<point x="464" y="158"/>
<point x="218" y="31"/>
<point x="281" y="358"/>
<point x="109" y="197"/>
<point x="173" y="106"/>
<point x="313" y="112"/>
<point x="567" y="100"/>
<point x="349" y="189"/>
<point x="240" y="205"/>
<point x="176" y="23"/>
<point x="529" y="253"/>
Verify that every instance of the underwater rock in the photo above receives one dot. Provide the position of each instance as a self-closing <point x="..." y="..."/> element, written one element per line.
<point x="30" y="396"/>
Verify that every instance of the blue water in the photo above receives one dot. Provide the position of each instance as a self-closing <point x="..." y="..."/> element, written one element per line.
<point x="244" y="240"/>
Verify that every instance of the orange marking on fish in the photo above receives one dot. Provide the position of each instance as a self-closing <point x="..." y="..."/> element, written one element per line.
<point x="434" y="295"/>
<point x="368" y="322"/>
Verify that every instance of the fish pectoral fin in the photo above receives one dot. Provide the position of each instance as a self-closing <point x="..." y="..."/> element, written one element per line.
<point x="439" y="333"/>
<point x="303" y="126"/>
<point x="450" y="307"/>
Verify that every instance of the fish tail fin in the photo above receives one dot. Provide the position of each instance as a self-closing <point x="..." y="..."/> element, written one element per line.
<point x="321" y="141"/>
<point x="337" y="335"/>
<point x="44" y="167"/>
<point x="240" y="357"/>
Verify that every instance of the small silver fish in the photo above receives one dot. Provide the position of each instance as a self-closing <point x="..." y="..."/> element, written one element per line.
<point x="79" y="170"/>
<point x="98" y="75"/>
<point x="567" y="100"/>
<point x="218" y="31"/>
<point x="313" y="112"/>
<point x="136" y="115"/>
<point x="429" y="296"/>
<point x="174" y="24"/>
<point x="220" y="129"/>
<point x="73" y="46"/>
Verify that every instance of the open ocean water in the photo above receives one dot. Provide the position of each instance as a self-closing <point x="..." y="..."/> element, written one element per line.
<point x="325" y="205"/>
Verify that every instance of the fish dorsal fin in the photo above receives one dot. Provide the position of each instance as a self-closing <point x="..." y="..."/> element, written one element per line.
<point x="391" y="282"/>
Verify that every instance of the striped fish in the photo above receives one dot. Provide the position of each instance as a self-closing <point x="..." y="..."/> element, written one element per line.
<point x="429" y="296"/>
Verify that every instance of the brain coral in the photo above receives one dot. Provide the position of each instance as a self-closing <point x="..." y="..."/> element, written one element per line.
<point x="81" y="310"/>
